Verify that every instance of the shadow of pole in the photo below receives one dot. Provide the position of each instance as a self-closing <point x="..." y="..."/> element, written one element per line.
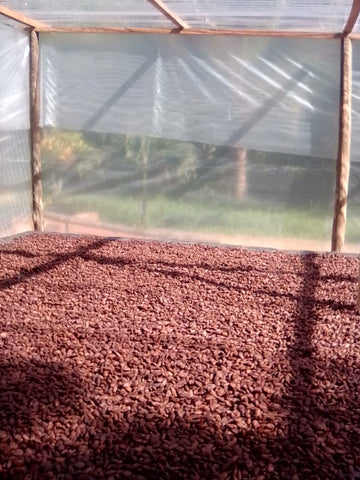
<point x="300" y="400"/>
<point x="57" y="260"/>
<point x="56" y="423"/>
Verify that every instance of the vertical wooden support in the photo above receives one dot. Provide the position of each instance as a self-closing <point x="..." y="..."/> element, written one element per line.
<point x="38" y="213"/>
<point x="343" y="160"/>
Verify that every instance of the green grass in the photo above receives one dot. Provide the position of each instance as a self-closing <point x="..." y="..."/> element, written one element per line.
<point x="207" y="216"/>
<point x="353" y="224"/>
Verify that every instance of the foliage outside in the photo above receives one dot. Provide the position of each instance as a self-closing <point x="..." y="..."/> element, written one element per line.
<point x="159" y="183"/>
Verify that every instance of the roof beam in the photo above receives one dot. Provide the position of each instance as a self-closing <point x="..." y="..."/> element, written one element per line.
<point x="354" y="13"/>
<point x="191" y="31"/>
<point x="19" y="17"/>
<point x="160" y="5"/>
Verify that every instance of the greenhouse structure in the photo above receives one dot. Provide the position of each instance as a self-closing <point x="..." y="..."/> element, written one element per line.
<point x="179" y="239"/>
<point x="217" y="121"/>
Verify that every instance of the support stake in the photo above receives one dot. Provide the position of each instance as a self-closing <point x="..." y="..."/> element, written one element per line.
<point x="38" y="213"/>
<point x="343" y="160"/>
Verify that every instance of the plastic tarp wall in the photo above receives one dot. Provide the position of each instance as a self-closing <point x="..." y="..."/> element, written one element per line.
<point x="255" y="93"/>
<point x="353" y="223"/>
<point x="15" y="174"/>
<point x="207" y="121"/>
<point x="316" y="15"/>
<point x="110" y="13"/>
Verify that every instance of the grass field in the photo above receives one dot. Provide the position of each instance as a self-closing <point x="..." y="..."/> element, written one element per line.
<point x="208" y="216"/>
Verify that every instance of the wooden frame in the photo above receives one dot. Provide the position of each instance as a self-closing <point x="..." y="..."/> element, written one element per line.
<point x="35" y="133"/>
<point x="182" y="28"/>
<point x="192" y="31"/>
<point x="160" y="5"/>
<point x="343" y="160"/>
<point x="19" y="17"/>
<point x="353" y="16"/>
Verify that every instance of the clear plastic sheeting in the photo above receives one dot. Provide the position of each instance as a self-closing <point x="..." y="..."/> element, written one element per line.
<point x="14" y="79"/>
<point x="301" y="15"/>
<point x="9" y="22"/>
<point x="356" y="28"/>
<point x="256" y="93"/>
<point x="15" y="177"/>
<point x="92" y="13"/>
<point x="142" y="187"/>
<point x="353" y="213"/>
<point x="15" y="183"/>
<point x="316" y="15"/>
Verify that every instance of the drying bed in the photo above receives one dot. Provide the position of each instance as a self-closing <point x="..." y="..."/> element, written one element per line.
<point x="141" y="360"/>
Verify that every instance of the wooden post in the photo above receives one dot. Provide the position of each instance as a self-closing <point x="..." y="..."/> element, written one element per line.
<point x="353" y="16"/>
<point x="38" y="213"/>
<point x="343" y="160"/>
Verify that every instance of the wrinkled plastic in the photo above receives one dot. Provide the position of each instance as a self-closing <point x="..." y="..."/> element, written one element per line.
<point x="317" y="15"/>
<point x="92" y="13"/>
<point x="15" y="178"/>
<point x="14" y="78"/>
<point x="279" y="95"/>
<point x="356" y="28"/>
<point x="353" y="212"/>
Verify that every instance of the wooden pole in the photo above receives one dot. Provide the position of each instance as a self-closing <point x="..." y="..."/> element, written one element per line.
<point x="38" y="214"/>
<point x="343" y="160"/>
<point x="193" y="31"/>
<point x="353" y="16"/>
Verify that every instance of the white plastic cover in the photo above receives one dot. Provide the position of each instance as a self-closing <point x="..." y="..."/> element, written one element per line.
<point x="356" y="28"/>
<point x="15" y="183"/>
<point x="353" y="215"/>
<point x="14" y="71"/>
<point x="355" y="137"/>
<point x="92" y="13"/>
<point x="117" y="185"/>
<point x="272" y="94"/>
<point x="317" y="15"/>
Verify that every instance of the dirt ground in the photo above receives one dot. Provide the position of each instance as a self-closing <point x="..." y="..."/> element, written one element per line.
<point x="89" y="224"/>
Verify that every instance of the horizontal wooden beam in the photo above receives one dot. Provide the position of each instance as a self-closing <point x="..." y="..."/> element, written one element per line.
<point x="19" y="17"/>
<point x="165" y="10"/>
<point x="354" y="36"/>
<point x="354" y="13"/>
<point x="192" y="31"/>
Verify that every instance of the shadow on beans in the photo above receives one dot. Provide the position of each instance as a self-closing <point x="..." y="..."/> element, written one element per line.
<point x="51" y="426"/>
